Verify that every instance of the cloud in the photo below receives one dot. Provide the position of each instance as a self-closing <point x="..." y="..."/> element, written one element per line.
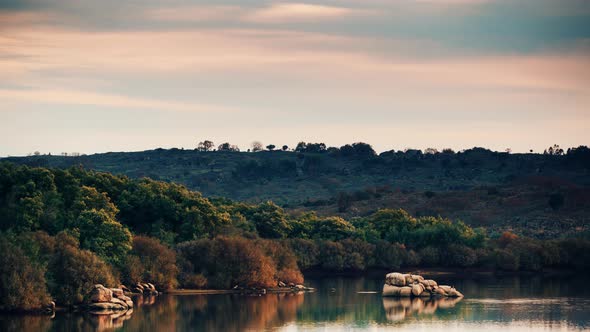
<point x="73" y="97"/>
<point x="297" y="12"/>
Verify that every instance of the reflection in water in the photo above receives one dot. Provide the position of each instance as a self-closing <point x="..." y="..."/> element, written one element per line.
<point x="397" y="309"/>
<point x="522" y="304"/>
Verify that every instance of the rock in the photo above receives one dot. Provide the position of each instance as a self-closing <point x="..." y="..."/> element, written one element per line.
<point x="151" y="286"/>
<point x="125" y="289"/>
<point x="405" y="291"/>
<point x="282" y="284"/>
<point x="409" y="280"/>
<point x="395" y="279"/>
<point x="100" y="294"/>
<point x="416" y="278"/>
<point x="299" y="287"/>
<point x="417" y="289"/>
<point x="445" y="288"/>
<point x="440" y="291"/>
<point x="389" y="290"/>
<point x="432" y="283"/>
<point x="454" y="293"/>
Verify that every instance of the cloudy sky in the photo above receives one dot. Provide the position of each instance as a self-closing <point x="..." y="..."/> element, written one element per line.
<point x="121" y="75"/>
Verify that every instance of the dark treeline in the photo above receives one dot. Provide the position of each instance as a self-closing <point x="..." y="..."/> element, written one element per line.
<point x="69" y="229"/>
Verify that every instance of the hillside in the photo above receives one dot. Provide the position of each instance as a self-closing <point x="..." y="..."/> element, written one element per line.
<point x="483" y="188"/>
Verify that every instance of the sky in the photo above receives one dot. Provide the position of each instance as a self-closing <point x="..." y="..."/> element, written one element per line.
<point x="120" y="75"/>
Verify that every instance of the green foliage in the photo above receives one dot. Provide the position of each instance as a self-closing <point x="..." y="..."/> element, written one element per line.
<point x="103" y="235"/>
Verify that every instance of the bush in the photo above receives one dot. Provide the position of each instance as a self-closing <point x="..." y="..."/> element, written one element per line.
<point x="459" y="256"/>
<point x="389" y="255"/>
<point x="227" y="262"/>
<point x="74" y="272"/>
<point x="306" y="251"/>
<point x="157" y="261"/>
<point x="22" y="284"/>
<point x="430" y="256"/>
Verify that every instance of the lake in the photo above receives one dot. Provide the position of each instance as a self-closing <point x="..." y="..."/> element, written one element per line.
<point x="515" y="303"/>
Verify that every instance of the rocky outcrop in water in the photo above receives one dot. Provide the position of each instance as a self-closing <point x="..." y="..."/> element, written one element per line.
<point x="102" y="298"/>
<point x="411" y="285"/>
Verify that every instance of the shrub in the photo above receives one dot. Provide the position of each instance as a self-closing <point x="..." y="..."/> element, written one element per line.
<point x="290" y="276"/>
<point x="227" y="262"/>
<point x="430" y="256"/>
<point x="22" y="284"/>
<point x="459" y="256"/>
<point x="158" y="262"/>
<point x="306" y="252"/>
<point x="74" y="272"/>
<point x="389" y="255"/>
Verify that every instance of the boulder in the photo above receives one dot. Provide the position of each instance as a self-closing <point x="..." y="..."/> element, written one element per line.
<point x="405" y="291"/>
<point x="100" y="293"/>
<point x="395" y="279"/>
<point x="409" y="280"/>
<point x="416" y="278"/>
<point x="454" y="293"/>
<point x="389" y="290"/>
<point x="432" y="283"/>
<point x="440" y="291"/>
<point x="445" y="288"/>
<point x="417" y="289"/>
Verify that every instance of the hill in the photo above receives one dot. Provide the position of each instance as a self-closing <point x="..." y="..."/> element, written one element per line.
<point x="541" y="195"/>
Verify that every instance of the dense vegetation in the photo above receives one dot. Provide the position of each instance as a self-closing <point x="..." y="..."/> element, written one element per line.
<point x="70" y="228"/>
<point x="539" y="195"/>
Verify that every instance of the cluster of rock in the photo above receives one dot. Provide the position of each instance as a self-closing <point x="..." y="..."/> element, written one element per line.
<point x="111" y="299"/>
<point x="411" y="285"/>
<point x="141" y="288"/>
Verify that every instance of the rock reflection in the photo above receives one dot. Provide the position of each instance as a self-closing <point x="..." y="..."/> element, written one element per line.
<point x="398" y="309"/>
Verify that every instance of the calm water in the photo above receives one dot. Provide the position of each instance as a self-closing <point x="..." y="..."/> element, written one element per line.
<point x="490" y="304"/>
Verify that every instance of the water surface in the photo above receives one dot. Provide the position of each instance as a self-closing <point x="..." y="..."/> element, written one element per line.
<point x="343" y="304"/>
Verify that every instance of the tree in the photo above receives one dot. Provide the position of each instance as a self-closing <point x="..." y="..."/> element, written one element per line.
<point x="205" y="146"/>
<point x="285" y="147"/>
<point x="103" y="235"/>
<point x="156" y="262"/>
<point x="554" y="150"/>
<point x="22" y="284"/>
<point x="270" y="147"/>
<point x="256" y="146"/>
<point x="430" y="151"/>
<point x="74" y="272"/>
<point x="270" y="220"/>
<point x="228" y="147"/>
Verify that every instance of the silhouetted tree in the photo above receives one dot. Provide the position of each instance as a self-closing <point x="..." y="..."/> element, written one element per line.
<point x="554" y="150"/>
<point x="205" y="146"/>
<point x="285" y="148"/>
<point x="270" y="147"/>
<point x="256" y="146"/>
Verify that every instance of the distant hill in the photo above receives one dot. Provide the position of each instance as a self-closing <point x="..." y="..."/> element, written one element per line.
<point x="542" y="195"/>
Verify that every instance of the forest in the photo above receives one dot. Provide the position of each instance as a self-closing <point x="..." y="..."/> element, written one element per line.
<point x="68" y="229"/>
